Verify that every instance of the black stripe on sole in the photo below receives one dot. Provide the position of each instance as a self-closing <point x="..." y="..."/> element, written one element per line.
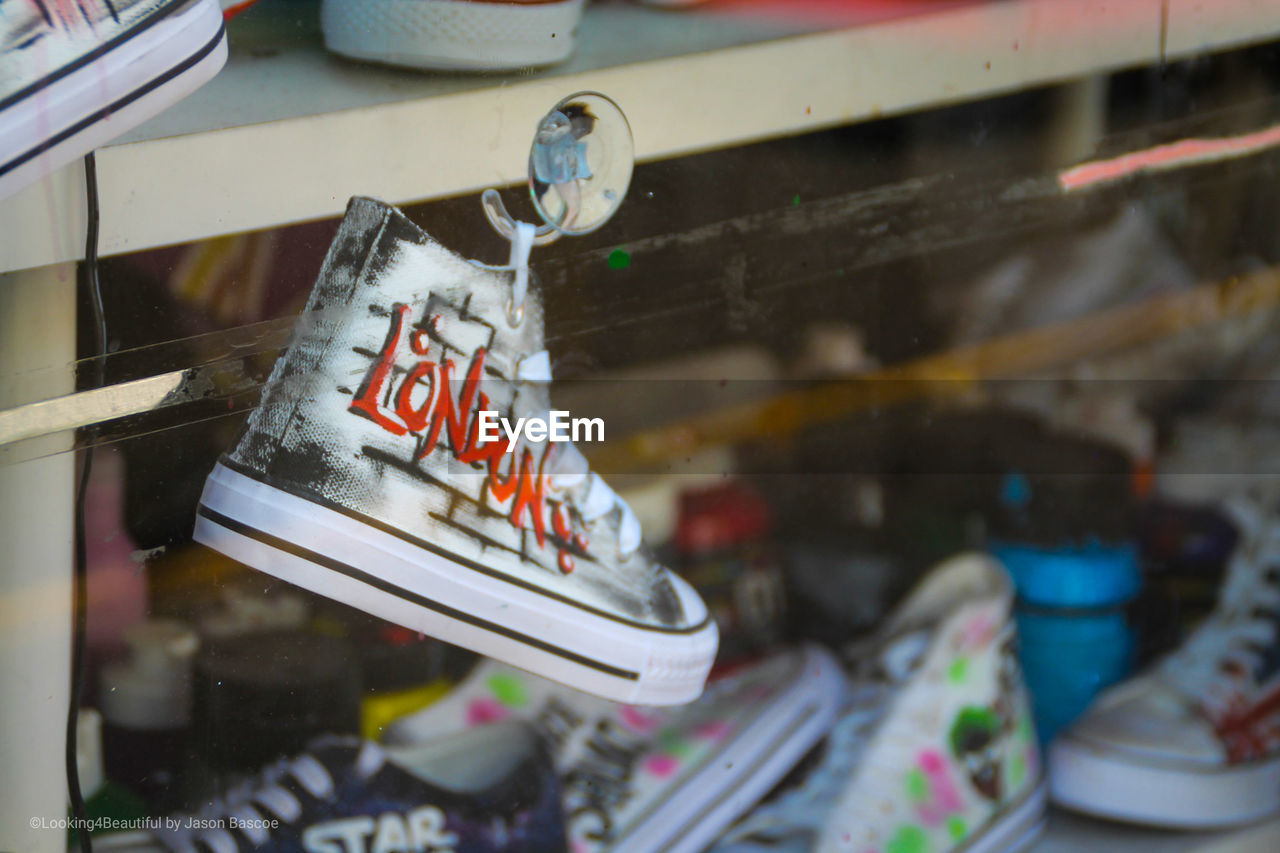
<point x="118" y="105"/>
<point x="446" y="554"/>
<point x="95" y="54"/>
<point x="264" y="538"/>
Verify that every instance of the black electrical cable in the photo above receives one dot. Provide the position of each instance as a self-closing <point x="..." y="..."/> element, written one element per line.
<point x="87" y="278"/>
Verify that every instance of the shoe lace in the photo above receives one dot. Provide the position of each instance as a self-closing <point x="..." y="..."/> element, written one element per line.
<point x="255" y="802"/>
<point x="567" y="469"/>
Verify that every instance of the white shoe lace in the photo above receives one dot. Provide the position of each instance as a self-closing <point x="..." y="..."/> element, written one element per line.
<point x="253" y="804"/>
<point x="567" y="467"/>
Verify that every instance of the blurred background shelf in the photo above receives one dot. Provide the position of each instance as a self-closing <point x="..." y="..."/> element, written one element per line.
<point x="286" y="133"/>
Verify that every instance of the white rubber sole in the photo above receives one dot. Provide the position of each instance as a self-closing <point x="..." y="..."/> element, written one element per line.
<point x="746" y="768"/>
<point x="452" y="34"/>
<point x="341" y="557"/>
<point x="80" y="109"/>
<point x="1113" y="785"/>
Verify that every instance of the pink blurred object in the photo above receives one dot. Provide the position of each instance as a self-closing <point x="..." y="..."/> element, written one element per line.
<point x="117" y="584"/>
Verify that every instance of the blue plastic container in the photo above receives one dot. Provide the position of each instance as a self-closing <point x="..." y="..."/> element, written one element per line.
<point x="1075" y="637"/>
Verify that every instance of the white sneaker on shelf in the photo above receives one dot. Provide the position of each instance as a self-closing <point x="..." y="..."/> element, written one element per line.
<point x="453" y="35"/>
<point x="1195" y="742"/>
<point x="73" y="76"/>
<point x="641" y="779"/>
<point x="363" y="476"/>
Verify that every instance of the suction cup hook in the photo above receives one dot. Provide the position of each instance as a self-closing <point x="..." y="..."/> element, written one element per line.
<point x="579" y="169"/>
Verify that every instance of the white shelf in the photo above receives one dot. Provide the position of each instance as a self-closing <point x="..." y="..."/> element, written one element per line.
<point x="1069" y="833"/>
<point x="287" y="133"/>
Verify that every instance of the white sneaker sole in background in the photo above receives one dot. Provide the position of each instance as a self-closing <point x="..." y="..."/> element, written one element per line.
<point x="77" y="108"/>
<point x="337" y="556"/>
<point x="452" y="34"/>
<point x="1106" y="784"/>
<point x="747" y="767"/>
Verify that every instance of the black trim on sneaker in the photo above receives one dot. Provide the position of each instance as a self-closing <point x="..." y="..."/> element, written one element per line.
<point x="120" y="104"/>
<point x="452" y="557"/>
<point x="98" y="52"/>
<point x="377" y="583"/>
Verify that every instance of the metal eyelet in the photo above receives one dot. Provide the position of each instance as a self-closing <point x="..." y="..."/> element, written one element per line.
<point x="515" y="316"/>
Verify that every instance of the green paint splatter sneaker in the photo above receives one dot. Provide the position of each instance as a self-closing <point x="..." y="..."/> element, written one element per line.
<point x="643" y="778"/>
<point x="367" y="475"/>
<point x="935" y="749"/>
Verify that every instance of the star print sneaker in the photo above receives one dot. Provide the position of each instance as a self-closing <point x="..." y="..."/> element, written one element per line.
<point x="642" y="779"/>
<point x="934" y="750"/>
<point x="477" y="793"/>
<point x="367" y="475"/>
<point x="75" y="75"/>
<point x="453" y="35"/>
<point x="1194" y="742"/>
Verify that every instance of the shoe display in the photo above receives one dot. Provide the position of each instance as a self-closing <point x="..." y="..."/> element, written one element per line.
<point x="481" y="791"/>
<point x="935" y="749"/>
<point x="363" y="476"/>
<point x="1195" y="741"/>
<point x="73" y="76"/>
<point x="453" y="35"/>
<point x="742" y="426"/>
<point x="640" y="779"/>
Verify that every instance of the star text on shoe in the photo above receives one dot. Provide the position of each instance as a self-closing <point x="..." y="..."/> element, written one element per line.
<point x="419" y="831"/>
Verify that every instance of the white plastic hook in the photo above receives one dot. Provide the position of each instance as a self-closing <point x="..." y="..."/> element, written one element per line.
<point x="506" y="224"/>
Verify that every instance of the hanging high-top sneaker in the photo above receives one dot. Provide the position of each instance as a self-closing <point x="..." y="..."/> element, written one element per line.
<point x="368" y="474"/>
<point x="1195" y="742"/>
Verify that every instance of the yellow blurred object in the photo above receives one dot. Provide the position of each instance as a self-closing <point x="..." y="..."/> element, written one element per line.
<point x="379" y="710"/>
